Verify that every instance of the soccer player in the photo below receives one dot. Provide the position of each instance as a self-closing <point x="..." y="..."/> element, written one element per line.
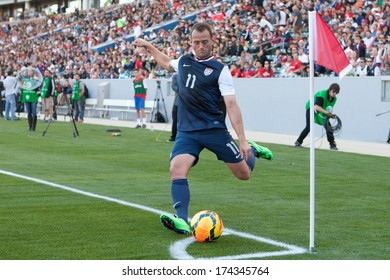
<point x="203" y="82"/>
<point x="324" y="101"/>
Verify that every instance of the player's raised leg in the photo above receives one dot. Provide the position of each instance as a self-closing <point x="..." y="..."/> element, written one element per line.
<point x="260" y="151"/>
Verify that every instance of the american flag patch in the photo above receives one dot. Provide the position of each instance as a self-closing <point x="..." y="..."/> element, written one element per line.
<point x="208" y="71"/>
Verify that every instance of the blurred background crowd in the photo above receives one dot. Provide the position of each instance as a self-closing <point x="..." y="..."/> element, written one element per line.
<point x="255" y="38"/>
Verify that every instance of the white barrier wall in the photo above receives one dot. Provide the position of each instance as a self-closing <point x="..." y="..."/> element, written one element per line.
<point x="278" y="105"/>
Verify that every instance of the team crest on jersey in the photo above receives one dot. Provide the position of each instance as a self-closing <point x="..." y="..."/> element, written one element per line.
<point x="208" y="71"/>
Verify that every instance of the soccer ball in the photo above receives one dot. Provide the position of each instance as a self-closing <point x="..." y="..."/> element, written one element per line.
<point x="206" y="226"/>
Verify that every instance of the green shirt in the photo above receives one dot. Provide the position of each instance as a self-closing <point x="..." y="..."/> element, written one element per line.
<point x="45" y="87"/>
<point x="76" y="91"/>
<point x="29" y="95"/>
<point x="139" y="89"/>
<point x="319" y="118"/>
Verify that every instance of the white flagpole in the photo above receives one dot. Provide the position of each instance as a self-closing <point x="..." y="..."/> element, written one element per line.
<point x="312" y="26"/>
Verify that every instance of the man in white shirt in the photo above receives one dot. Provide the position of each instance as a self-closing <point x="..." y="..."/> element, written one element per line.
<point x="137" y="30"/>
<point x="281" y="16"/>
<point x="10" y="84"/>
<point x="263" y="23"/>
<point x="368" y="40"/>
<point x="361" y="68"/>
<point x="302" y="56"/>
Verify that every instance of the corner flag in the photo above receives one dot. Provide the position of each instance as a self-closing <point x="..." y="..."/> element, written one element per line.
<point x="327" y="49"/>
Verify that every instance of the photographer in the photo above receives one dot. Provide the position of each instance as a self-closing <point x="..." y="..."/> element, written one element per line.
<point x="10" y="84"/>
<point x="65" y="94"/>
<point x="47" y="95"/>
<point x="78" y="99"/>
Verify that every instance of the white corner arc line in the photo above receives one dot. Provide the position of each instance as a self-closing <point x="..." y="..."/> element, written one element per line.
<point x="178" y="249"/>
<point x="107" y="198"/>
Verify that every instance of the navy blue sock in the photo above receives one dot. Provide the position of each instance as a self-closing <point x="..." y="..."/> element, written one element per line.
<point x="181" y="197"/>
<point x="252" y="160"/>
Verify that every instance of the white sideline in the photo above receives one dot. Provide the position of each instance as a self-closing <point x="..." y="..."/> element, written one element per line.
<point x="178" y="249"/>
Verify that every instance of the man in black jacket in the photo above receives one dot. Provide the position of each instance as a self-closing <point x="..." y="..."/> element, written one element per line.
<point x="47" y="95"/>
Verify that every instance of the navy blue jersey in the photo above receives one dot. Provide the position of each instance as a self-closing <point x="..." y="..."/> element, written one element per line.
<point x="199" y="102"/>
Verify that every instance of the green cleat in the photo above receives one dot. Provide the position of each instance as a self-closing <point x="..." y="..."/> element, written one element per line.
<point x="175" y="223"/>
<point x="262" y="152"/>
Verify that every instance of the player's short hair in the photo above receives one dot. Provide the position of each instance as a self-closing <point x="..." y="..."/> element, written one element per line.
<point x="202" y="26"/>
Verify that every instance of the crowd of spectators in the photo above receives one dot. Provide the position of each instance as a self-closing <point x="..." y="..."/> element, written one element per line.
<point x="255" y="38"/>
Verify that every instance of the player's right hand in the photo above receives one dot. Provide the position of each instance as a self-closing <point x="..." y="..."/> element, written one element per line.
<point x="140" y="42"/>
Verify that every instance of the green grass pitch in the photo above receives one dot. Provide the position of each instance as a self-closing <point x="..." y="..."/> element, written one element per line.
<point x="42" y="222"/>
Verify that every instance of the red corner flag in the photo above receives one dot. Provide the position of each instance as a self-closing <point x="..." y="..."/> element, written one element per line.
<point x="327" y="49"/>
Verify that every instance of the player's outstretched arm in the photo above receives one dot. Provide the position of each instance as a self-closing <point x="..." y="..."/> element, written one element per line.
<point x="161" y="58"/>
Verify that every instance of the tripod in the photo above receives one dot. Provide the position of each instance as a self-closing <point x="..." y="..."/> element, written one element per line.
<point x="70" y="110"/>
<point x="158" y="117"/>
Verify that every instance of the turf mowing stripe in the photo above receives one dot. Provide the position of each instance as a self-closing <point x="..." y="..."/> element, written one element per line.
<point x="178" y="249"/>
